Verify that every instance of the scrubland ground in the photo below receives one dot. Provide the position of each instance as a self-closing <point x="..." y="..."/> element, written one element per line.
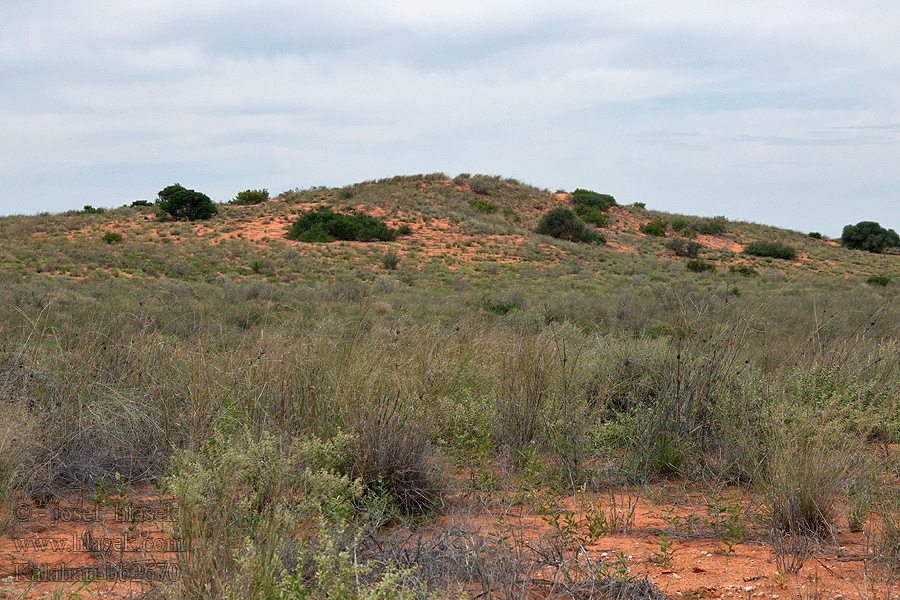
<point x="212" y="411"/>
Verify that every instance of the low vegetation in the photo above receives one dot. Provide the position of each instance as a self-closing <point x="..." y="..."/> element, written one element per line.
<point x="771" y="250"/>
<point x="325" y="225"/>
<point x="656" y="228"/>
<point x="369" y="420"/>
<point x="564" y="224"/>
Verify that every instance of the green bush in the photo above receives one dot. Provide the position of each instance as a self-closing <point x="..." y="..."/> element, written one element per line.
<point x="487" y="208"/>
<point x="699" y="266"/>
<point x="711" y="226"/>
<point x="141" y="203"/>
<point x="511" y="215"/>
<point x="501" y="307"/>
<point x="771" y="249"/>
<point x="481" y="185"/>
<point x="180" y="203"/>
<point x="345" y="193"/>
<point x="603" y="202"/>
<point x="111" y="237"/>
<point x="815" y="235"/>
<point x="878" y="280"/>
<point x="870" y="236"/>
<point x="324" y="225"/>
<point x="251" y="197"/>
<point x="90" y="210"/>
<point x="563" y="224"/>
<point x="657" y="228"/>
<point x="390" y="260"/>
<point x="591" y="214"/>
<point x="684" y="248"/>
<point x="745" y="270"/>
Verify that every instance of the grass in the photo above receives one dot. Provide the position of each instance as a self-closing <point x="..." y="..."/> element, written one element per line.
<point x="316" y="393"/>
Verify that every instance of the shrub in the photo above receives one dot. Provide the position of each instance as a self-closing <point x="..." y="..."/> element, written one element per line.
<point x="345" y="193"/>
<point x="639" y="205"/>
<point x="487" y="208"/>
<point x="404" y="230"/>
<point x="501" y="307"/>
<point x="771" y="249"/>
<point x="180" y="203"/>
<point x="815" y="235"/>
<point x="810" y="457"/>
<point x="591" y="214"/>
<point x="111" y="237"/>
<point x="391" y="453"/>
<point x="878" y="280"/>
<point x="684" y="248"/>
<point x="90" y="210"/>
<point x="657" y="228"/>
<point x="711" y="226"/>
<point x="141" y="203"/>
<point x="481" y="185"/>
<point x="870" y="236"/>
<point x="251" y="197"/>
<point x="592" y="199"/>
<point x="511" y="215"/>
<point x="390" y="260"/>
<point x="562" y="223"/>
<point x="324" y="225"/>
<point x="699" y="266"/>
<point x="745" y="270"/>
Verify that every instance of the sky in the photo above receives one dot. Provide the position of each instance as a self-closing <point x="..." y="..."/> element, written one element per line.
<point x="783" y="113"/>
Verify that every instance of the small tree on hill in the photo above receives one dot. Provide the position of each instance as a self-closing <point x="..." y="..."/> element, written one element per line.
<point x="563" y="224"/>
<point x="181" y="203"/>
<point x="251" y="197"/>
<point x="869" y="235"/>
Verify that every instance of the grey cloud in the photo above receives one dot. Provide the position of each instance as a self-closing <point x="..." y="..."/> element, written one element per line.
<point x="691" y="107"/>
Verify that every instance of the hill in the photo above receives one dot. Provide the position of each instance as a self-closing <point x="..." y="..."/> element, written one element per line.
<point x="456" y="231"/>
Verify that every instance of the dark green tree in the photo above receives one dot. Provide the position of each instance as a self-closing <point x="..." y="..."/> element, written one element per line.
<point x="563" y="224"/>
<point x="869" y="235"/>
<point x="181" y="203"/>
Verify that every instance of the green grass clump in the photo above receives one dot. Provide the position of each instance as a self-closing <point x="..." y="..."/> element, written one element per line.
<point x="745" y="270"/>
<point x="772" y="250"/>
<point x="482" y="185"/>
<point x="711" y="226"/>
<point x="324" y="225"/>
<point x="878" y="281"/>
<point x="487" y="208"/>
<point x="700" y="266"/>
<point x="511" y="215"/>
<point x="390" y="260"/>
<point x="112" y="237"/>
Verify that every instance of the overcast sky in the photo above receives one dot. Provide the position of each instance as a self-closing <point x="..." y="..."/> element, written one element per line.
<point x="784" y="113"/>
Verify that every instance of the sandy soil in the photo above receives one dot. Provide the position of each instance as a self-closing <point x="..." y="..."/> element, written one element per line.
<point x="126" y="539"/>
